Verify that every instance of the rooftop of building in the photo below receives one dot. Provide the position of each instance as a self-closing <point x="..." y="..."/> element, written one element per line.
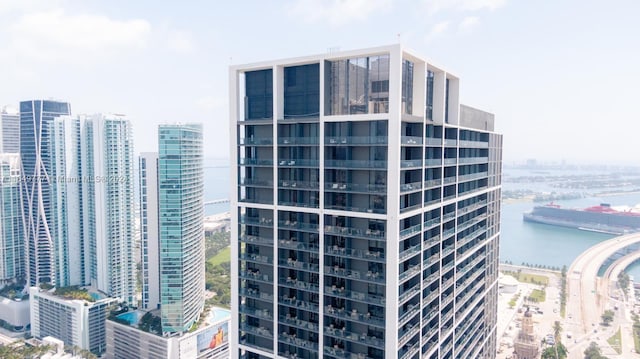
<point x="86" y="294"/>
<point x="150" y="322"/>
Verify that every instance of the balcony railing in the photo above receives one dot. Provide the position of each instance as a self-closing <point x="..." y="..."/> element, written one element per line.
<point x="291" y="339"/>
<point x="299" y="265"/>
<point x="258" y="313"/>
<point x="411" y="311"/>
<point x="356" y="164"/>
<point x="431" y="241"/>
<point x="355" y="209"/>
<point x="263" y="222"/>
<point x="430" y="223"/>
<point x="256" y="141"/>
<point x="356" y="140"/>
<point x="408" y="294"/>
<point x="298" y="284"/>
<point x="295" y="225"/>
<point x="370" y="276"/>
<point x="255" y="182"/>
<point x="468" y="160"/>
<point x="353" y="295"/>
<point x="433" y="141"/>
<point x="412" y="271"/>
<point x="291" y="244"/>
<point x="254" y="293"/>
<point x="302" y="324"/>
<point x="255" y="275"/>
<point x="291" y="184"/>
<point x="432" y="183"/>
<point x="255" y="162"/>
<point x="359" y="338"/>
<point x="355" y="232"/>
<point x="433" y="162"/>
<point x="298" y="141"/>
<point x="408" y="232"/>
<point x="300" y="304"/>
<point x="408" y="187"/>
<point x="411" y="140"/>
<point x="256" y="258"/>
<point x="474" y="144"/>
<point x="450" y="141"/>
<point x="355" y="253"/>
<point x="261" y="331"/>
<point x="256" y="240"/>
<point x="366" y="319"/>
<point x="294" y="162"/>
<point x="410" y="163"/>
<point x="355" y="187"/>
<point x="407" y="253"/>
<point x="472" y="176"/>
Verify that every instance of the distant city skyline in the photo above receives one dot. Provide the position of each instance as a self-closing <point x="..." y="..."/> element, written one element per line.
<point x="560" y="76"/>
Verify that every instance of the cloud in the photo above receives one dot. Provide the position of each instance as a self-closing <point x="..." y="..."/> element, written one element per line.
<point x="180" y="41"/>
<point x="436" y="31"/>
<point x="336" y="12"/>
<point x="434" y="6"/>
<point x="468" y="23"/>
<point x="57" y="36"/>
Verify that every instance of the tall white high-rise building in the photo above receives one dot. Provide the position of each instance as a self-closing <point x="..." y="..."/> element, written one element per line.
<point x="9" y="130"/>
<point x="108" y="204"/>
<point x="149" y="237"/>
<point x="12" y="262"/>
<point x="365" y="210"/>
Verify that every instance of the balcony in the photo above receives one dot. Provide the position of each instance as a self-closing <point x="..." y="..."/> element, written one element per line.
<point x="256" y="240"/>
<point x="255" y="162"/>
<point x="353" y="295"/>
<point x="408" y="351"/>
<point x="260" y="331"/>
<point x="255" y="276"/>
<point x="432" y="162"/>
<point x="430" y="223"/>
<point x="450" y="161"/>
<point x="291" y="339"/>
<point x="258" y="313"/>
<point x="301" y="324"/>
<point x="410" y="163"/>
<point x="408" y="232"/>
<point x="450" y="142"/>
<point x="355" y="253"/>
<point x="473" y="176"/>
<point x="432" y="183"/>
<point x="298" y="304"/>
<point x="431" y="259"/>
<point x="430" y="279"/>
<point x="355" y="187"/>
<point x="353" y="315"/>
<point x="407" y="333"/>
<point x="298" y="163"/>
<point x="256" y="258"/>
<point x="410" y="293"/>
<point x="431" y="241"/>
<point x="355" y="209"/>
<point x="358" y="338"/>
<point x="470" y="160"/>
<point x="256" y="182"/>
<point x="299" y="265"/>
<point x="298" y="141"/>
<point x="410" y="187"/>
<point x="337" y="352"/>
<point x="356" y="164"/>
<point x="255" y="221"/>
<point x="412" y="271"/>
<point x="472" y="207"/>
<point x="433" y="141"/>
<point x="410" y="252"/>
<point x="369" y="276"/>
<point x="473" y="144"/>
<point x="295" y="225"/>
<point x="448" y="233"/>
<point x="295" y="245"/>
<point x="302" y="185"/>
<point x="355" y="232"/>
<point x="256" y="294"/>
<point x="411" y="311"/>
<point x="356" y="140"/>
<point x="298" y="284"/>
<point x="411" y="140"/>
<point x="256" y="141"/>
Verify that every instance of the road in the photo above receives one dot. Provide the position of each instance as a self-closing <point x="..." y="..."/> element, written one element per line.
<point x="588" y="297"/>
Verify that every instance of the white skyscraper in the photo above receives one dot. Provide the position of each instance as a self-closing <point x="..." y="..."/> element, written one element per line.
<point x="365" y="210"/>
<point x="107" y="204"/>
<point x="10" y="130"/>
<point x="149" y="230"/>
<point x="12" y="262"/>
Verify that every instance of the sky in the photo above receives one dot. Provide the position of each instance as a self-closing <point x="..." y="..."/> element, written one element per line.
<point x="561" y="77"/>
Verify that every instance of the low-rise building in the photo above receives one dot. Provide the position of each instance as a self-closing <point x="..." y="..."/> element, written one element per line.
<point x="126" y="338"/>
<point x="63" y="315"/>
<point x="526" y="344"/>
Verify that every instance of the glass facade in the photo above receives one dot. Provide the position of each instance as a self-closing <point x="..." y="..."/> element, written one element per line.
<point x="302" y="91"/>
<point x="358" y="86"/>
<point x="12" y="259"/>
<point x="181" y="216"/>
<point x="259" y="95"/>
<point x="37" y="149"/>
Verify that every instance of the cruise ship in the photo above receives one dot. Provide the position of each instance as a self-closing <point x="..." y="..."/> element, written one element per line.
<point x="602" y="218"/>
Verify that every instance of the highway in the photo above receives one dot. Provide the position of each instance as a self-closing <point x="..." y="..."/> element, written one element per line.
<point x="588" y="297"/>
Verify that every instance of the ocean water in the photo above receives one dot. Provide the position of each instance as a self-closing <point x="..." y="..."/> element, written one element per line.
<point x="520" y="242"/>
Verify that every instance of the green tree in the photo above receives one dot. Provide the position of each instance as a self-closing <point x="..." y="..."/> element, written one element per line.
<point x="557" y="330"/>
<point x="623" y="281"/>
<point x="557" y="351"/>
<point x="593" y="352"/>
<point x="607" y="317"/>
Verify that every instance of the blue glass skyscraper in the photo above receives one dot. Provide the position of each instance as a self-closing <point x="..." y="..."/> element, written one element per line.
<point x="42" y="217"/>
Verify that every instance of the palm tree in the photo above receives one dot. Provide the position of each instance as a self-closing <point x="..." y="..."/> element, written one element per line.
<point x="557" y="329"/>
